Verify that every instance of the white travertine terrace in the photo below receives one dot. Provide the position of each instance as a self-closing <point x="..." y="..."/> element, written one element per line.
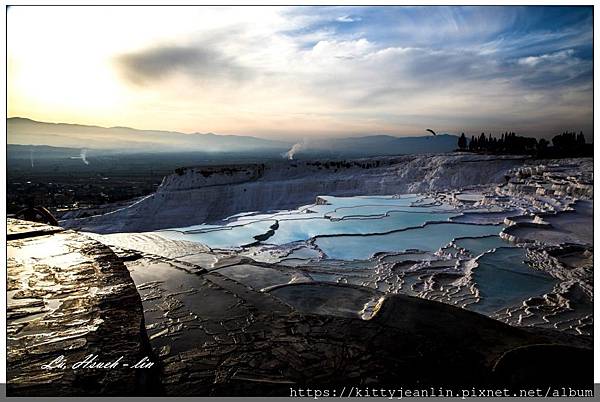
<point x="538" y="214"/>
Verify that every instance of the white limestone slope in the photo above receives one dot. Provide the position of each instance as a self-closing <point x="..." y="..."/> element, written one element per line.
<point x="203" y="194"/>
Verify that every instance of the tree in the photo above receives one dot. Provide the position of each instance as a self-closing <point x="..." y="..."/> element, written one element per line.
<point x="472" y="144"/>
<point x="482" y="142"/>
<point x="462" y="141"/>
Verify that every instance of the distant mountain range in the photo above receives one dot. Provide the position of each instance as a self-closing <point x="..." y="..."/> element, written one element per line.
<point x="22" y="131"/>
<point x="30" y="132"/>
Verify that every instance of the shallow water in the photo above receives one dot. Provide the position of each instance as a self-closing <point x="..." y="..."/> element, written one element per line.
<point x="392" y="223"/>
<point x="227" y="236"/>
<point x="330" y="204"/>
<point x="351" y="230"/>
<point x="429" y="238"/>
<point x="332" y="216"/>
<point x="381" y="210"/>
<point x="290" y="231"/>
<point x="504" y="280"/>
<point x="479" y="245"/>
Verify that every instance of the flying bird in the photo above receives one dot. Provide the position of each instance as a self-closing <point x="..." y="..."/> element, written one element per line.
<point x="431" y="131"/>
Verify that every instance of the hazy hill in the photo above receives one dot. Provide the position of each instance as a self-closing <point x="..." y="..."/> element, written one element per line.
<point x="30" y="132"/>
<point x="23" y="131"/>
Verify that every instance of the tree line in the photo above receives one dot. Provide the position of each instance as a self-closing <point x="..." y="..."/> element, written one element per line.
<point x="567" y="144"/>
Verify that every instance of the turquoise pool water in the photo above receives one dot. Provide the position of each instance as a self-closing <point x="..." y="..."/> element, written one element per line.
<point x="428" y="238"/>
<point x="504" y="279"/>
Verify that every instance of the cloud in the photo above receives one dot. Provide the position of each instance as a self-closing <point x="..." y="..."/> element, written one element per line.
<point x="560" y="69"/>
<point x="532" y="61"/>
<point x="347" y="18"/>
<point x="197" y="61"/>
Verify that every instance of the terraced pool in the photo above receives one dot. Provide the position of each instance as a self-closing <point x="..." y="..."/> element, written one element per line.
<point x="411" y="243"/>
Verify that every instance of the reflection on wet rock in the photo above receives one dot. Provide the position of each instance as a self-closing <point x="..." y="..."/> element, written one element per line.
<point x="323" y="298"/>
<point x="72" y="296"/>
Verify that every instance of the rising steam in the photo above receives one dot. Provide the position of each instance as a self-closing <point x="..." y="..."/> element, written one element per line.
<point x="294" y="150"/>
<point x="82" y="156"/>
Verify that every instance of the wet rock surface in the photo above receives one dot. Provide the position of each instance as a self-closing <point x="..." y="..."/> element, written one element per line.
<point x="72" y="296"/>
<point x="18" y="229"/>
<point x="218" y="336"/>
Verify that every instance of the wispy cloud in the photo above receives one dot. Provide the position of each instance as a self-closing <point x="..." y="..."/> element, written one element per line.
<point x="347" y="18"/>
<point x="558" y="57"/>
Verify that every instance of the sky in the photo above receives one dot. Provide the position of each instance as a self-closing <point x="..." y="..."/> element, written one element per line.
<point x="302" y="72"/>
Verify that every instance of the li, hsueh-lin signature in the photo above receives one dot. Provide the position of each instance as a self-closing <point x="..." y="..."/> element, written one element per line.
<point x="94" y="362"/>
